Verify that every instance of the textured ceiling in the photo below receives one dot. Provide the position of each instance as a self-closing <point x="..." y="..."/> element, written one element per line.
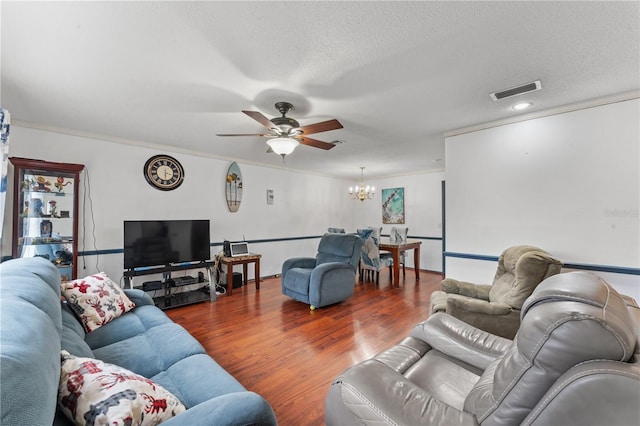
<point x="397" y="75"/>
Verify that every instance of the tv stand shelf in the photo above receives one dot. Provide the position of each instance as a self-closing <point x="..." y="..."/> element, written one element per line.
<point x="168" y="294"/>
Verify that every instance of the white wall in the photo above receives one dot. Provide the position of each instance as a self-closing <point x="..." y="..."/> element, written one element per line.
<point x="568" y="183"/>
<point x="305" y="205"/>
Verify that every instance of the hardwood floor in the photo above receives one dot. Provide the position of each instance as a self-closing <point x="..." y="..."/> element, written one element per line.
<point x="289" y="354"/>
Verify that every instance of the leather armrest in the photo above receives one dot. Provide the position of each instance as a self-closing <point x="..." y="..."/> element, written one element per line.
<point x="372" y="393"/>
<point x="463" y="288"/>
<point x="460" y="340"/>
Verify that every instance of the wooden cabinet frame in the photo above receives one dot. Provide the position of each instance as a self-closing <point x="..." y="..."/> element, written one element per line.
<point x="22" y="187"/>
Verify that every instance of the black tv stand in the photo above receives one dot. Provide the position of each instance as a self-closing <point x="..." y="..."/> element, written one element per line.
<point x="172" y="295"/>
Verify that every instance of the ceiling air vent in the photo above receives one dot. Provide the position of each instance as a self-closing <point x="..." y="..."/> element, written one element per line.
<point x="519" y="90"/>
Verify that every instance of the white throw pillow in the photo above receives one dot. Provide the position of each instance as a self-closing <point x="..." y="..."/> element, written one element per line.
<point x="96" y="300"/>
<point x="93" y="392"/>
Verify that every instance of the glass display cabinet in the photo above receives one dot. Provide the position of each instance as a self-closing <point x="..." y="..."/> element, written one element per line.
<point x="45" y="212"/>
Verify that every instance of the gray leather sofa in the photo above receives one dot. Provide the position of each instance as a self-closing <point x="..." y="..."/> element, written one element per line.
<point x="574" y="361"/>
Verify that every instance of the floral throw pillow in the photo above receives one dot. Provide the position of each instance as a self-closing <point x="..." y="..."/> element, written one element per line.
<point x="96" y="300"/>
<point x="92" y="392"/>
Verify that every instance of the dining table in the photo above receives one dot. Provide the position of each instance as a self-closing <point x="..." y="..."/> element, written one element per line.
<point x="396" y="248"/>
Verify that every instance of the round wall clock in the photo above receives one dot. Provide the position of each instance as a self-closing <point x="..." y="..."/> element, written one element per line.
<point x="163" y="172"/>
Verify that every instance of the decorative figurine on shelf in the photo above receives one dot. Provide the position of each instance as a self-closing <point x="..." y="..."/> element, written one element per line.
<point x="63" y="257"/>
<point x="41" y="185"/>
<point x="60" y="183"/>
<point x="46" y="228"/>
<point x="25" y="212"/>
<point x="27" y="184"/>
<point x="53" y="208"/>
<point x="36" y="207"/>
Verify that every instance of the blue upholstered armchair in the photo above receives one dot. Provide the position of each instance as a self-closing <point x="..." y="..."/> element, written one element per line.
<point x="327" y="278"/>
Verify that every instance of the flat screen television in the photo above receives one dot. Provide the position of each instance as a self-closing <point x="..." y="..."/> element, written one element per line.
<point x="164" y="242"/>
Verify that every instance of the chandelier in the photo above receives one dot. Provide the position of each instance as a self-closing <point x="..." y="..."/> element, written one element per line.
<point x="361" y="192"/>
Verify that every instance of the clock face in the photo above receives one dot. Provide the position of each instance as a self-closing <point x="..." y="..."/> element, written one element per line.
<point x="163" y="172"/>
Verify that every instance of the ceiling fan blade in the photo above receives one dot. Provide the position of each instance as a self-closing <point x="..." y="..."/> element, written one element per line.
<point x="314" y="143"/>
<point x="323" y="126"/>
<point x="245" y="134"/>
<point x="261" y="119"/>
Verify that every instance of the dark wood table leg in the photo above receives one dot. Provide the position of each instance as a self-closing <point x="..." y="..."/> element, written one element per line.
<point x="229" y="278"/>
<point x="396" y="267"/>
<point x="416" y="261"/>
<point x="244" y="271"/>
<point x="257" y="273"/>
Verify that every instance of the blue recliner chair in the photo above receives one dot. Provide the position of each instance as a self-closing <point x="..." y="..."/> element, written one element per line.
<point x="327" y="278"/>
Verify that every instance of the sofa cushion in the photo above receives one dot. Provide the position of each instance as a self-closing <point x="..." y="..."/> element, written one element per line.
<point x="94" y="392"/>
<point x="137" y="321"/>
<point x="96" y="299"/>
<point x="153" y="351"/>
<point x="197" y="378"/>
<point x="73" y="333"/>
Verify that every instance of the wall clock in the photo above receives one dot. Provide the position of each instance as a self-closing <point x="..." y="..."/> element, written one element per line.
<point x="163" y="172"/>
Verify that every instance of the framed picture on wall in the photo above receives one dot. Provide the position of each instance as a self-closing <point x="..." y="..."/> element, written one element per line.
<point x="393" y="205"/>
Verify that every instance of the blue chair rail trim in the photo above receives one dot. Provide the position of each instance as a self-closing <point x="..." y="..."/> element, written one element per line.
<point x="604" y="268"/>
<point x="583" y="266"/>
<point x="471" y="256"/>
<point x="259" y="241"/>
<point x="418" y="237"/>
<point x="213" y="244"/>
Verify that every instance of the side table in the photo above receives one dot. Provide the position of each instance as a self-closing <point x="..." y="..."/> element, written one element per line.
<point x="244" y="261"/>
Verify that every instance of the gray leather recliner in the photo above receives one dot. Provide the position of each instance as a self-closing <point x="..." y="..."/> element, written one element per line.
<point x="574" y="361"/>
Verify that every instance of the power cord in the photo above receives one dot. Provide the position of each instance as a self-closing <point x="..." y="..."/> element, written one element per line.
<point x="220" y="290"/>
<point x="87" y="195"/>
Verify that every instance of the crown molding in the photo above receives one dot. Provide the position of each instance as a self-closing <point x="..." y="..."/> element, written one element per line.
<point x="622" y="97"/>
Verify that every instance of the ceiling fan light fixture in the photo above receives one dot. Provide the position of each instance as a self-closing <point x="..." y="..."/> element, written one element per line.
<point x="283" y="146"/>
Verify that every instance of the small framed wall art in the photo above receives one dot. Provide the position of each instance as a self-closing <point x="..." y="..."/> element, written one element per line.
<point x="393" y="205"/>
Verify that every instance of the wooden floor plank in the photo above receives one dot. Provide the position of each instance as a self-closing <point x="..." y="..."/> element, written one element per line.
<point x="289" y="354"/>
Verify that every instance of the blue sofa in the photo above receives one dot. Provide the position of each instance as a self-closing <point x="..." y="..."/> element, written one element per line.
<point x="35" y="325"/>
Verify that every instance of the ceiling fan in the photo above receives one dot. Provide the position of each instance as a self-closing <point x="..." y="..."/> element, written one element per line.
<point x="287" y="132"/>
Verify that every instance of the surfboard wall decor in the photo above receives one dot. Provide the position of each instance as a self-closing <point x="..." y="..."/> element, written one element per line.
<point x="233" y="187"/>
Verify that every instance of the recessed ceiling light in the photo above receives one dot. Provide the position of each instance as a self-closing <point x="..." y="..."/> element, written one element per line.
<point x="522" y="105"/>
